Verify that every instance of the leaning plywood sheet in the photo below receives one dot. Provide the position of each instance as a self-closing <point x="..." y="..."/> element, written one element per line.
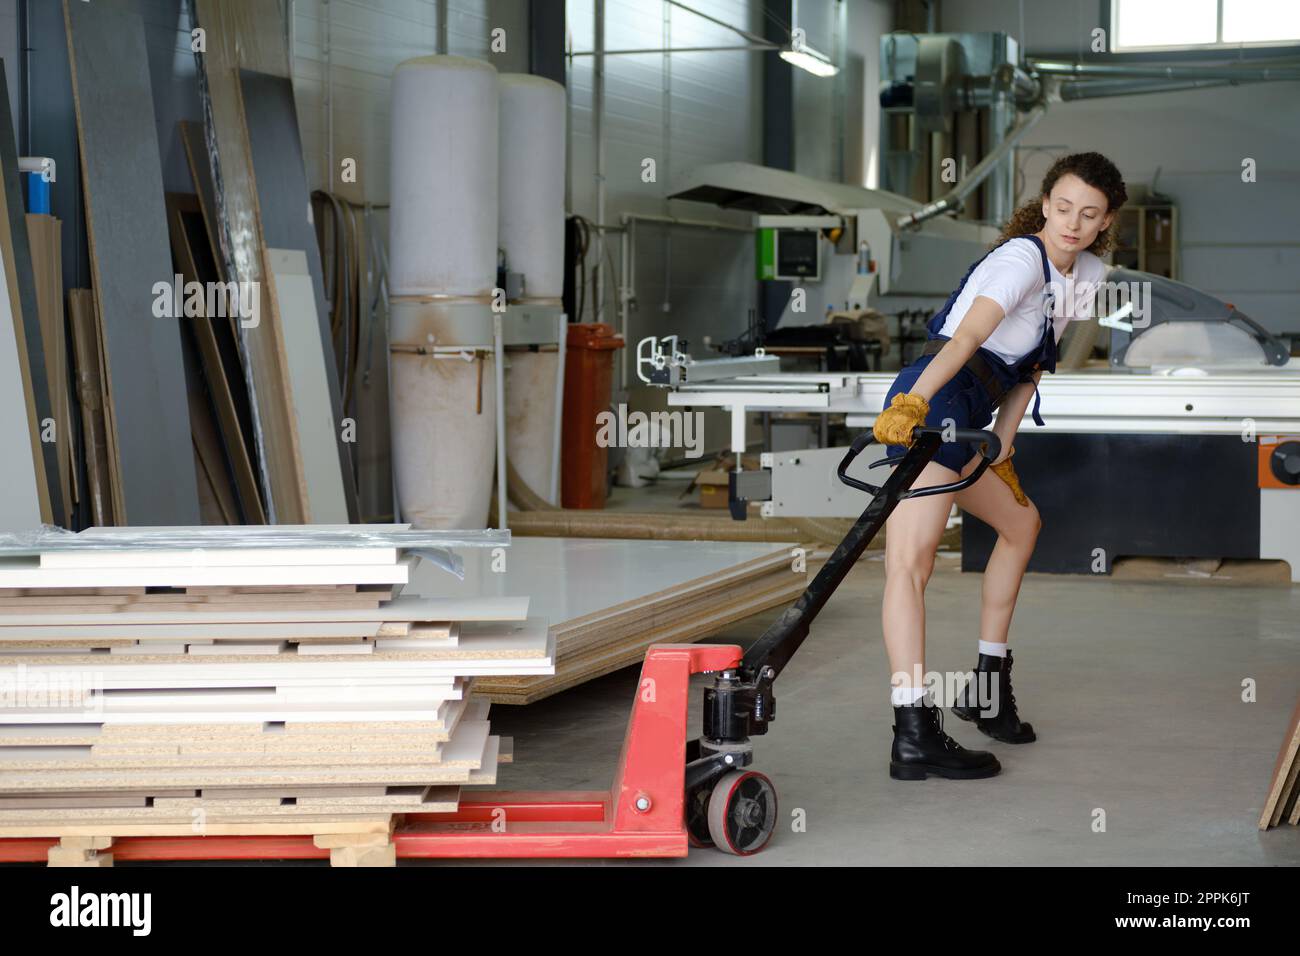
<point x="44" y="233"/>
<point x="194" y="261"/>
<point x="283" y="201"/>
<point x="127" y="227"/>
<point x="24" y="401"/>
<point x="1284" y="772"/>
<point x="293" y="307"/>
<point x="249" y="33"/>
<point x="84" y="326"/>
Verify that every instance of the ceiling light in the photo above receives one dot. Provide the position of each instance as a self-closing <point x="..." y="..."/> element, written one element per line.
<point x="806" y="58"/>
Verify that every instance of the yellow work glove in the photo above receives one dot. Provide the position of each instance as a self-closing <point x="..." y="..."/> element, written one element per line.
<point x="1007" y="472"/>
<point x="894" y="425"/>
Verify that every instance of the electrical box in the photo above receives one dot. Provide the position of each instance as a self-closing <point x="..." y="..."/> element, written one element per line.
<point x="793" y="254"/>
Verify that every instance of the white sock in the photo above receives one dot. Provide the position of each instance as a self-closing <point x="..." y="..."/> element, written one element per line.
<point x="905" y="696"/>
<point x="993" y="648"/>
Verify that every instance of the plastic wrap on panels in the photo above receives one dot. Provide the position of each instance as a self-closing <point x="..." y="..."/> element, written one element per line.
<point x="228" y="261"/>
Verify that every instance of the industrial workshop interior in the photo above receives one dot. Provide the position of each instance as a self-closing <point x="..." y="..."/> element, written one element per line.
<point x="650" y="434"/>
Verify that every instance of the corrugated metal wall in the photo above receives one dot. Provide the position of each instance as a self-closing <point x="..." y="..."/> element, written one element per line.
<point x="682" y="111"/>
<point x="362" y="41"/>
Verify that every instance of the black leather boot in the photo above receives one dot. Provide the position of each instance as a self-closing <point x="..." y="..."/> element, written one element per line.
<point x="989" y="701"/>
<point x="922" y="748"/>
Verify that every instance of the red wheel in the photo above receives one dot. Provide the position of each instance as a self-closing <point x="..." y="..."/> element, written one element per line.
<point x="742" y="812"/>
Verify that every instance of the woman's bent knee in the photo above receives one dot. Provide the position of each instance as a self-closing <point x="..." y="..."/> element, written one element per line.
<point x="915" y="566"/>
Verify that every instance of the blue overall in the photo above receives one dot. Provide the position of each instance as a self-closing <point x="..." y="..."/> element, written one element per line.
<point x="964" y="399"/>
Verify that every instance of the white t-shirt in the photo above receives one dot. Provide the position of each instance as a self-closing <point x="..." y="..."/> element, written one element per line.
<point x="1012" y="276"/>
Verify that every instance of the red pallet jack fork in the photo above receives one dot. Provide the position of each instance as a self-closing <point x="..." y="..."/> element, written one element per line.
<point x="669" y="792"/>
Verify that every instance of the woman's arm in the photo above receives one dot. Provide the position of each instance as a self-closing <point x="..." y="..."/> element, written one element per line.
<point x="1011" y="412"/>
<point x="976" y="325"/>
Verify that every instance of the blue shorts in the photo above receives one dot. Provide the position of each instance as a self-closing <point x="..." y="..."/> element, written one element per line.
<point x="963" y="399"/>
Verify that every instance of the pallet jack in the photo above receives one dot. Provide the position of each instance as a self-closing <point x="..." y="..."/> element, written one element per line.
<point x="668" y="793"/>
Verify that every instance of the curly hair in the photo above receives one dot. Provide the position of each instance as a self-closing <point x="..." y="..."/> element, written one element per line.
<point x="1095" y="170"/>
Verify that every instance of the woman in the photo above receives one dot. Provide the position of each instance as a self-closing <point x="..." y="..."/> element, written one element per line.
<point x="988" y="347"/>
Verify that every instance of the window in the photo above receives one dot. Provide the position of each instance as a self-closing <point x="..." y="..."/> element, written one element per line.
<point x="1202" y="24"/>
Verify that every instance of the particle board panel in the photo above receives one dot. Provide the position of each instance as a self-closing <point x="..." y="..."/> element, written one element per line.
<point x="467" y="751"/>
<point x="365" y="823"/>
<point x="326" y="714"/>
<point x="171" y="631"/>
<point x="22" y="355"/>
<point x="83" y="325"/>
<point x="269" y="744"/>
<point x="283" y="201"/>
<point x="206" y="615"/>
<point x="294" y="310"/>
<point x="281" y="668"/>
<point x="91" y="734"/>
<point x="195" y="816"/>
<point x="360" y="605"/>
<point x="126" y="225"/>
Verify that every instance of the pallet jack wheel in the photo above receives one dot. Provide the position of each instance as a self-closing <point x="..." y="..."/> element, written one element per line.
<point x="742" y="812"/>
<point x="697" y="817"/>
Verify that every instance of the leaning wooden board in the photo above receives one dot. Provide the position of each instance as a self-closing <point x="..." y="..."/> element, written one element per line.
<point x="244" y="33"/>
<point x="1284" y="774"/>
<point x="127" y="227"/>
<point x="24" y="403"/>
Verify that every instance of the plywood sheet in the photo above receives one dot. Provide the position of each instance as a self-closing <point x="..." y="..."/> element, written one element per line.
<point x="126" y="222"/>
<point x="24" y="327"/>
<point x="223" y="377"/>
<point x="83" y="323"/>
<point x="1284" y="770"/>
<point x="250" y="33"/>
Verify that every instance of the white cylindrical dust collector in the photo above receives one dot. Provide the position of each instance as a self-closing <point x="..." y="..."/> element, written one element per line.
<point x="442" y="271"/>
<point x="531" y="235"/>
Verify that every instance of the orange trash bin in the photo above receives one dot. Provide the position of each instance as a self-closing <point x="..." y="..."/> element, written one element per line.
<point x="588" y="380"/>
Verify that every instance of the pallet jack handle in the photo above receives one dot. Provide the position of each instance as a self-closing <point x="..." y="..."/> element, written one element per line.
<point x="992" y="447"/>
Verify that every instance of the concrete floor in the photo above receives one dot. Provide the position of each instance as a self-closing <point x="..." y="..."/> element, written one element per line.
<point x="1134" y="689"/>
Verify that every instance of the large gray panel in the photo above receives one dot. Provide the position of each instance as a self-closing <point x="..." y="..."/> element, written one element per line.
<point x="128" y="228"/>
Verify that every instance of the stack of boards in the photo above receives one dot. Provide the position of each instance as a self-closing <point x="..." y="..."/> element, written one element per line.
<point x="1282" y="805"/>
<point x="243" y="691"/>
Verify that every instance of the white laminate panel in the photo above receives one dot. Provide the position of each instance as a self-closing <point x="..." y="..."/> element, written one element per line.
<point x="567" y="578"/>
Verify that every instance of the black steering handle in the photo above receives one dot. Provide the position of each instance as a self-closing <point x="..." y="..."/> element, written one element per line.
<point x="925" y="438"/>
